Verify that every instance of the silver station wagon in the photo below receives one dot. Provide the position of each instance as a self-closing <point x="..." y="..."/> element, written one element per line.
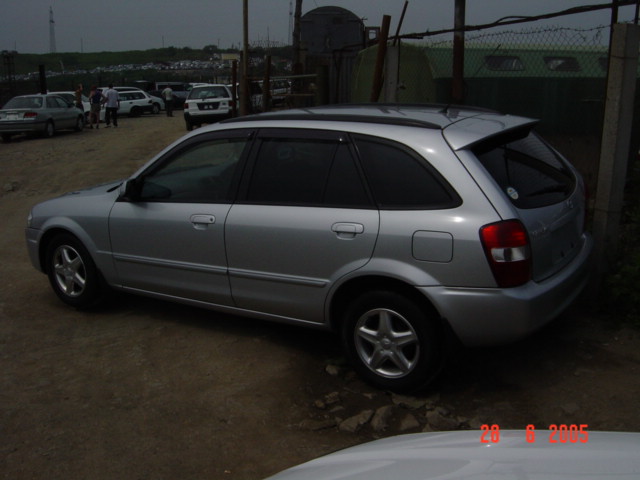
<point x="399" y="226"/>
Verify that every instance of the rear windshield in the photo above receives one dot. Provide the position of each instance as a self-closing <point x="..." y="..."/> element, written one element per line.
<point x="208" y="92"/>
<point x="528" y="171"/>
<point x="24" y="102"/>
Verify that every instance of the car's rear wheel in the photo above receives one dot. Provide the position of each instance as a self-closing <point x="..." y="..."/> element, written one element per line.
<point x="72" y="273"/>
<point x="49" y="129"/>
<point x="189" y="125"/>
<point x="135" y="112"/>
<point x="391" y="341"/>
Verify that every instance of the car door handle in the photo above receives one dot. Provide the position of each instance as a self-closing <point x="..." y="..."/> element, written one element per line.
<point x="347" y="230"/>
<point x="201" y="221"/>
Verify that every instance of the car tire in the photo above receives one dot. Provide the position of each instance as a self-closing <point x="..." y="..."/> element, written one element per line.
<point x="72" y="273"/>
<point x="135" y="112"/>
<point x="189" y="125"/>
<point x="391" y="341"/>
<point x="79" y="123"/>
<point x="49" y="129"/>
<point x="155" y="109"/>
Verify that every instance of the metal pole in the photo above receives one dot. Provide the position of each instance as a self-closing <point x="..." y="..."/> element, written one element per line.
<point x="457" y="85"/>
<point x="376" y="88"/>
<point x="42" y="79"/>
<point x="244" y="82"/>
<point x="404" y="11"/>
<point x="234" y="88"/>
<point x="266" y="84"/>
<point x="297" y="54"/>
<point x="614" y="20"/>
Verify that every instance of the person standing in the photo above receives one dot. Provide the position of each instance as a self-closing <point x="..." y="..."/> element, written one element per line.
<point x="79" y="98"/>
<point x="112" y="103"/>
<point x="167" y="95"/>
<point x="95" y="102"/>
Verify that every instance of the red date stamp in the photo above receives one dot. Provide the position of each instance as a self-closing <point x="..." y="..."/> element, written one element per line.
<point x="554" y="434"/>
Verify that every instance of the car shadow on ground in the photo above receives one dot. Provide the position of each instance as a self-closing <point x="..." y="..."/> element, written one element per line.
<point x="559" y="348"/>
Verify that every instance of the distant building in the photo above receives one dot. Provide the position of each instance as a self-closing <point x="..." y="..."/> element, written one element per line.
<point x="229" y="57"/>
<point x="331" y="37"/>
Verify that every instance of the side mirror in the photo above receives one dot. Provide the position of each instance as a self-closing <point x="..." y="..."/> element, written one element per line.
<point x="130" y="190"/>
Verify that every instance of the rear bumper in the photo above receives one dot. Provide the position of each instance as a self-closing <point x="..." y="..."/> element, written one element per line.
<point x="206" y="117"/>
<point x="493" y="316"/>
<point x="21" y="127"/>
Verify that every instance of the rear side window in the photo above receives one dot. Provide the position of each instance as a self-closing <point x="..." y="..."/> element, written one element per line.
<point x="401" y="180"/>
<point x="528" y="171"/>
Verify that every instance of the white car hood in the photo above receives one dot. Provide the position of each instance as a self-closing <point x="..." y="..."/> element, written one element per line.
<point x="462" y="455"/>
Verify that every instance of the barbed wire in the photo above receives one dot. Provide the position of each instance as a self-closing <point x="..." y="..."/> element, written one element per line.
<point x="555" y="35"/>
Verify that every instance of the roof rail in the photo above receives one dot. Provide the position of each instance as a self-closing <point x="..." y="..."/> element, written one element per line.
<point x="409" y="122"/>
<point x="333" y="113"/>
<point x="442" y="107"/>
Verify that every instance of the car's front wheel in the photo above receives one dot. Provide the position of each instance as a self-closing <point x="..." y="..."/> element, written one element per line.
<point x="391" y="341"/>
<point x="155" y="109"/>
<point x="72" y="273"/>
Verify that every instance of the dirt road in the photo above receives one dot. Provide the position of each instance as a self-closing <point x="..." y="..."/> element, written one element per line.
<point x="143" y="389"/>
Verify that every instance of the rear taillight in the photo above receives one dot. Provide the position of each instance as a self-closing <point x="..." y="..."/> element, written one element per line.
<point x="30" y="115"/>
<point x="507" y="248"/>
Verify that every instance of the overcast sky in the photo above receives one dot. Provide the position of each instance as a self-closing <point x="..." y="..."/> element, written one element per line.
<point x="117" y="25"/>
